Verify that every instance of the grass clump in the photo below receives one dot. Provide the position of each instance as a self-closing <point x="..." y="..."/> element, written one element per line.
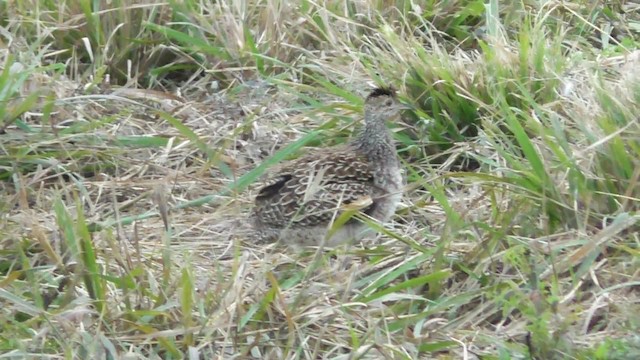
<point x="131" y="137"/>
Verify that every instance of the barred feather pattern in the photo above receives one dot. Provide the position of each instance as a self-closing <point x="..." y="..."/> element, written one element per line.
<point x="310" y="190"/>
<point x="298" y="203"/>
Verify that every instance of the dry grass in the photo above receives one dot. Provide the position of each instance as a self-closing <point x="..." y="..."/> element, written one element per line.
<point x="127" y="170"/>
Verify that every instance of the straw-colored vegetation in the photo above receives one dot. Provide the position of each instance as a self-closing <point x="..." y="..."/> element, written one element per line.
<point x="132" y="135"/>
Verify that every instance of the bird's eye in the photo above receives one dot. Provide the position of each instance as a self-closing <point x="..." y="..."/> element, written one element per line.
<point x="388" y="102"/>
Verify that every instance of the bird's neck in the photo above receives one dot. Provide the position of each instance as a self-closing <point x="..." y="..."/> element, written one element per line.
<point x="375" y="140"/>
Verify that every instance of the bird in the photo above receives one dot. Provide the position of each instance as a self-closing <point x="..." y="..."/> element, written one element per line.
<point x="299" y="201"/>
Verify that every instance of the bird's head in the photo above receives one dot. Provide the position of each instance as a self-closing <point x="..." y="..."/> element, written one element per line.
<point x="382" y="104"/>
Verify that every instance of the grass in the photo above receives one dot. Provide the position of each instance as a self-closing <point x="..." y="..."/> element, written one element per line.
<point x="131" y="137"/>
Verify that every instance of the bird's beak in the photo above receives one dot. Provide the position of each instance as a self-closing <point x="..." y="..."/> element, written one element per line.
<point x="405" y="107"/>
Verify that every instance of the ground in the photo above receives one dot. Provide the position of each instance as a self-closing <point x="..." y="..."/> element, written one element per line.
<point x="133" y="137"/>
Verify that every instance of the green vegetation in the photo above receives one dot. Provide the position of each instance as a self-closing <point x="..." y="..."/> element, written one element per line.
<point x="131" y="137"/>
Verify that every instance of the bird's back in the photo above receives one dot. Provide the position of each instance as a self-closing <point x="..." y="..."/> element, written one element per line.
<point x="309" y="190"/>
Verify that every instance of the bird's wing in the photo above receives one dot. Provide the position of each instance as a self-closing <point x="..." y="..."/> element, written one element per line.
<point x="309" y="190"/>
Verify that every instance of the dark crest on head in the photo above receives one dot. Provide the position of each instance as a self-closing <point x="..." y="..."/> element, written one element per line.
<point x="382" y="91"/>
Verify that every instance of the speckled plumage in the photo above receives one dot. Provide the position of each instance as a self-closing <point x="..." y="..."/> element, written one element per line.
<point x="300" y="199"/>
